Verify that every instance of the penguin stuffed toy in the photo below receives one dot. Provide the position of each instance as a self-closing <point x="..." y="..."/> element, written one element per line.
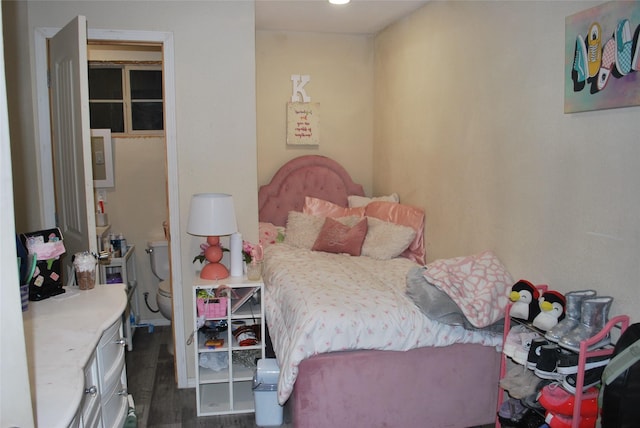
<point x="524" y="296"/>
<point x="552" y="306"/>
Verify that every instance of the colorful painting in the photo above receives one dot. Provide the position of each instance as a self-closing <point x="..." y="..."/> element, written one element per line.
<point x="602" y="57"/>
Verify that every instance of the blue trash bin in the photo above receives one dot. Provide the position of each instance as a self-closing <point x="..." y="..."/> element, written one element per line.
<point x="269" y="412"/>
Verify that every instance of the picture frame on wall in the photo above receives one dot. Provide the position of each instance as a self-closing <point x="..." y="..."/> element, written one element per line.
<point x="102" y="158"/>
<point x="602" y="57"/>
<point x="303" y="124"/>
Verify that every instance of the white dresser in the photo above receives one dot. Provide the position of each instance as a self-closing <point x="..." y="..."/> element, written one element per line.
<point x="75" y="349"/>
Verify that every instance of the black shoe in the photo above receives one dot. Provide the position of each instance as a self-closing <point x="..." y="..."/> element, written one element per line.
<point x="591" y="378"/>
<point x="568" y="362"/>
<point x="546" y="366"/>
<point x="534" y="352"/>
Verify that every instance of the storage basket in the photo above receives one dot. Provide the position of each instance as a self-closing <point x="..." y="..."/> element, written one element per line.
<point x="213" y="307"/>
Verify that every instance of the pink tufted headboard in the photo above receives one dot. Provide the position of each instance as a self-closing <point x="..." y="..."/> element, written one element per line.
<point x="310" y="175"/>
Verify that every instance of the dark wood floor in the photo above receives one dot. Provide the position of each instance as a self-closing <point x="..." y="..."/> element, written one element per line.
<point x="159" y="403"/>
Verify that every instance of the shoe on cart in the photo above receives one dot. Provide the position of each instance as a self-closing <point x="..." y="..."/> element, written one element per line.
<point x="593" y="318"/>
<point x="568" y="362"/>
<point x="514" y="339"/>
<point x="591" y="378"/>
<point x="522" y="352"/>
<point x="515" y="377"/>
<point x="562" y="421"/>
<point x="546" y="365"/>
<point x="534" y="352"/>
<point x="520" y="383"/>
<point x="511" y="412"/>
<point x="557" y="400"/>
<point x="573" y="310"/>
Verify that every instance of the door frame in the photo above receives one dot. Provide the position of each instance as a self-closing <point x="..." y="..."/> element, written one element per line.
<point x="47" y="197"/>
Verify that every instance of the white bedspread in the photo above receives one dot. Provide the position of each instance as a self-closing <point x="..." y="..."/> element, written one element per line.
<point x="319" y="302"/>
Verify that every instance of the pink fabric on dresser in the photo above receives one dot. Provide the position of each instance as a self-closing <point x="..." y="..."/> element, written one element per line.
<point x="453" y="386"/>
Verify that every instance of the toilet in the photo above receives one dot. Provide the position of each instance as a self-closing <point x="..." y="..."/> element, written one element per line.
<point x="159" y="256"/>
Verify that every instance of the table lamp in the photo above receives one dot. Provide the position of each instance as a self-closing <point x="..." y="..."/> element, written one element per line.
<point x="213" y="215"/>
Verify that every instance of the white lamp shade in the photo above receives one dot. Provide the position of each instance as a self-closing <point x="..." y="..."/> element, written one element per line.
<point x="212" y="214"/>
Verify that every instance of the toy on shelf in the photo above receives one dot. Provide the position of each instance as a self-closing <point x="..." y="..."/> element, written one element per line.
<point x="524" y="296"/>
<point x="552" y="304"/>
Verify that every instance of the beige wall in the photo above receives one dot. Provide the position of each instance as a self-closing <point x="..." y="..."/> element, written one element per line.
<point x="470" y="126"/>
<point x="341" y="70"/>
<point x="137" y="205"/>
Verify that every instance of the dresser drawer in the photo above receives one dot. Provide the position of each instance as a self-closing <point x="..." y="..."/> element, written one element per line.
<point x="94" y="420"/>
<point x="110" y="355"/>
<point x="115" y="404"/>
<point x="91" y="401"/>
<point x="77" y="421"/>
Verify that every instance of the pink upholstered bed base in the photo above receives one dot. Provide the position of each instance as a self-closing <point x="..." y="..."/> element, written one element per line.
<point x="454" y="386"/>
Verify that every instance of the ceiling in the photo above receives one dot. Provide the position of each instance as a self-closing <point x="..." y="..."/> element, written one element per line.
<point x="357" y="17"/>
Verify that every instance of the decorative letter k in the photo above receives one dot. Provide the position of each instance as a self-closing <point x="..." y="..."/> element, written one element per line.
<point x="298" y="87"/>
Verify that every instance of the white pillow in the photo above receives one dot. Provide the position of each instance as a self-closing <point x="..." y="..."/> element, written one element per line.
<point x="386" y="240"/>
<point x="303" y="229"/>
<point x="361" y="201"/>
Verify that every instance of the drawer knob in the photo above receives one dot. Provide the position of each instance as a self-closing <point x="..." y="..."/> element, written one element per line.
<point x="122" y="341"/>
<point x="93" y="390"/>
<point x="122" y="392"/>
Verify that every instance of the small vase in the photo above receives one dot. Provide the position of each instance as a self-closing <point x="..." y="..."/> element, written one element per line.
<point x="254" y="271"/>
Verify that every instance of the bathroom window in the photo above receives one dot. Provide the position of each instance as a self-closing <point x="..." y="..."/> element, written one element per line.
<point x="126" y="98"/>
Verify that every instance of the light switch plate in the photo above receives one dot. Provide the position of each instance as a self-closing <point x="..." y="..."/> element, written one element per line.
<point x="99" y="157"/>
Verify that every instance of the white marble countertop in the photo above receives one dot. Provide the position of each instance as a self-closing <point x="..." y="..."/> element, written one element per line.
<point x="61" y="333"/>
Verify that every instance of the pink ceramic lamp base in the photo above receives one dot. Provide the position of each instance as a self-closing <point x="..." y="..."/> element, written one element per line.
<point x="214" y="270"/>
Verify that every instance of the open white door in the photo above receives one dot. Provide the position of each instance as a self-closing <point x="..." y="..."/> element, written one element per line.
<point x="71" y="139"/>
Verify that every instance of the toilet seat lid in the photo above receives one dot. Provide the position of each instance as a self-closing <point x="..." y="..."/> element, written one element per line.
<point x="164" y="288"/>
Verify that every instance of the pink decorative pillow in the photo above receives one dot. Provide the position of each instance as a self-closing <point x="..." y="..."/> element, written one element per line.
<point x="338" y="238"/>
<point x="404" y="215"/>
<point x="479" y="284"/>
<point x="320" y="207"/>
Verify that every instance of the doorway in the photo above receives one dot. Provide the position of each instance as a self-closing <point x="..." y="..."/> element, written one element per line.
<point x="125" y="97"/>
<point x="44" y="131"/>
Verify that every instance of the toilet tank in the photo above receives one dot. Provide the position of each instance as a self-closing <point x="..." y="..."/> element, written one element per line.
<point x="159" y="256"/>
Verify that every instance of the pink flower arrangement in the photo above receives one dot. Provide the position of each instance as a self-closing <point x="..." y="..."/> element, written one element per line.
<point x="251" y="251"/>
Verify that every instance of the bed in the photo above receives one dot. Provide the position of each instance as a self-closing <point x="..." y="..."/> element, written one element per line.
<point x="421" y="373"/>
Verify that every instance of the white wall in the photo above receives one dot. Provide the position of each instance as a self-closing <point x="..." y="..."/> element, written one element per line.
<point x="470" y="126"/>
<point x="15" y="399"/>
<point x="215" y="99"/>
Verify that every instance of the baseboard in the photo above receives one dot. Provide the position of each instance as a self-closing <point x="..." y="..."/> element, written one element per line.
<point x="156" y="322"/>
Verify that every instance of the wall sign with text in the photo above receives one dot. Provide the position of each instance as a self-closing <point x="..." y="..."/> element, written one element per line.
<point x="303" y="123"/>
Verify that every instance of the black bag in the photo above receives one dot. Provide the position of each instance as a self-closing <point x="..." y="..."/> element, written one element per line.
<point x="621" y="382"/>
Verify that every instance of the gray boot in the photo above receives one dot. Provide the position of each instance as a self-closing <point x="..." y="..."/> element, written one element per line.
<point x="572" y="310"/>
<point x="594" y="316"/>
